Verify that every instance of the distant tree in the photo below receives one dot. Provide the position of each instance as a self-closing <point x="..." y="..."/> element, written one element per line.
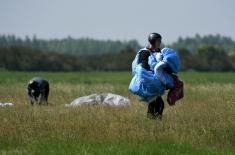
<point x="200" y="53"/>
<point x="193" y="43"/>
<point x="185" y="57"/>
<point x="214" y="58"/>
<point x="69" y="45"/>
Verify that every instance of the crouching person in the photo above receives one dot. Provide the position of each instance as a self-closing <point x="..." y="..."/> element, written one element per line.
<point x="38" y="91"/>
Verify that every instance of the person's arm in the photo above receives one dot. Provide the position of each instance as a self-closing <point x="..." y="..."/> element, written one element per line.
<point x="143" y="59"/>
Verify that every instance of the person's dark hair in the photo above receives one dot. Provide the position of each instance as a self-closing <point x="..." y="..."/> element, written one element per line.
<point x="153" y="37"/>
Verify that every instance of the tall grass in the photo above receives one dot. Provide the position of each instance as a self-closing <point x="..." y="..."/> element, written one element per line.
<point x="202" y="123"/>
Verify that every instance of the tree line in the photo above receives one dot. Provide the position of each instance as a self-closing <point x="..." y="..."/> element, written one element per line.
<point x="214" y="55"/>
<point x="21" y="58"/>
<point x="69" y="45"/>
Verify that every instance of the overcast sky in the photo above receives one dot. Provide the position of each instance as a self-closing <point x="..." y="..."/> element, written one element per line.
<point x="117" y="19"/>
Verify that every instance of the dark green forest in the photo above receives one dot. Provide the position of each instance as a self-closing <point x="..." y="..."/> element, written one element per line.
<point x="69" y="45"/>
<point x="193" y="43"/>
<point x="198" y="53"/>
<point x="28" y="59"/>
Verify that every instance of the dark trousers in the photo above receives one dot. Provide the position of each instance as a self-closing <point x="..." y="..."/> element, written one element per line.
<point x="155" y="108"/>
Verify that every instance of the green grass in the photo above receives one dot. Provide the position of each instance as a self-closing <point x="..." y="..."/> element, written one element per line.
<point x="110" y="77"/>
<point x="110" y="147"/>
<point x="202" y="123"/>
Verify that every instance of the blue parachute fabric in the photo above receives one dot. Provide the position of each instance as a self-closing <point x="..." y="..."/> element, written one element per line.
<point x="165" y="78"/>
<point x="152" y="61"/>
<point x="160" y="74"/>
<point x="145" y="84"/>
<point x="171" y="58"/>
<point x="148" y="84"/>
<point x="135" y="63"/>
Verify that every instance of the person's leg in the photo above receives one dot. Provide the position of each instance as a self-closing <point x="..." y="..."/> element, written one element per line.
<point x="40" y="99"/>
<point x="31" y="100"/>
<point x="155" y="108"/>
<point x="159" y="106"/>
<point x="151" y="110"/>
<point x="47" y="94"/>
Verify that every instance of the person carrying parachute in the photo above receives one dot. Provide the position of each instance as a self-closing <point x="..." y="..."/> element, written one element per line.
<point x="154" y="72"/>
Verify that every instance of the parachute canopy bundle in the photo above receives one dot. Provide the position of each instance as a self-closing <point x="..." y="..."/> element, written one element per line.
<point x="151" y="83"/>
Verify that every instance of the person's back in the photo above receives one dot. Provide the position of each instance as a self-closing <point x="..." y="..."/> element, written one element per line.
<point x="38" y="90"/>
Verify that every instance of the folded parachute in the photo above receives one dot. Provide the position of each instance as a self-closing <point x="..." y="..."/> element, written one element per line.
<point x="171" y="58"/>
<point x="147" y="84"/>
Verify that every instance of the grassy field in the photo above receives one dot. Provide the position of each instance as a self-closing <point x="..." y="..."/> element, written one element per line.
<point x="202" y="123"/>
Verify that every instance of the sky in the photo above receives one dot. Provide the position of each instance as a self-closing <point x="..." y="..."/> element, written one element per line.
<point x="117" y="19"/>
